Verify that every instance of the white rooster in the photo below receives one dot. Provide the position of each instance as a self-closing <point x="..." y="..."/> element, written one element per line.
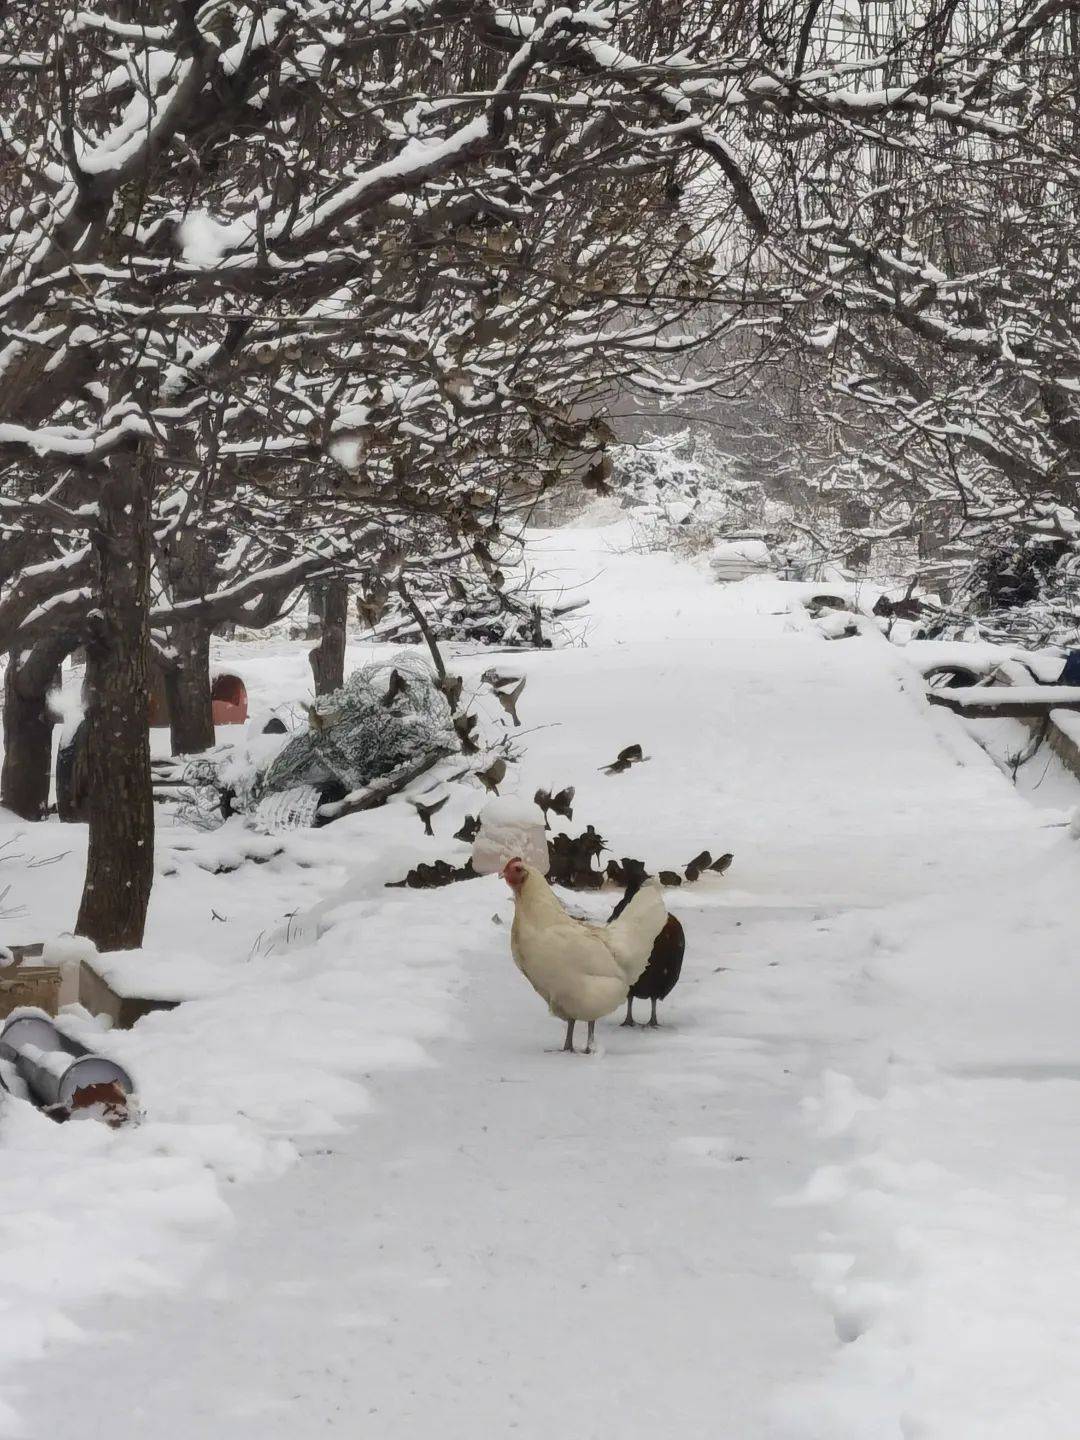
<point x="583" y="971"/>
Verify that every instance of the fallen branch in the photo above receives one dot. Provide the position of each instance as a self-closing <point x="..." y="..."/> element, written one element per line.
<point x="370" y="797"/>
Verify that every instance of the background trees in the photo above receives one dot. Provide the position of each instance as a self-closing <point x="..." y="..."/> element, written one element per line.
<point x="939" y="348"/>
<point x="300" y="293"/>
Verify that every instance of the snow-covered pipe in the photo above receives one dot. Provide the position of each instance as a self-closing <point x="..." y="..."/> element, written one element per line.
<point x="54" y="1066"/>
<point x="33" y="1027"/>
<point x="55" y="1078"/>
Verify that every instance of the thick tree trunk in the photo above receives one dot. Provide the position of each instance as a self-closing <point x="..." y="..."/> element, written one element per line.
<point x="189" y="563"/>
<point x="316" y="610"/>
<point x="187" y="688"/>
<point x="120" y="865"/>
<point x="328" y="657"/>
<point x="28" y="727"/>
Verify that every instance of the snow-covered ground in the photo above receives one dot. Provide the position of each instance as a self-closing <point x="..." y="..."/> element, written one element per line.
<point x="833" y="1198"/>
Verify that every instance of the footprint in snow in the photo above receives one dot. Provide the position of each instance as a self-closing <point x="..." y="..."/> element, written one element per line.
<point x="713" y="1152"/>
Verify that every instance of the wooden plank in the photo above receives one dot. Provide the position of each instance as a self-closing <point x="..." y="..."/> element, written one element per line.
<point x="996" y="701"/>
<point x="124" y="1010"/>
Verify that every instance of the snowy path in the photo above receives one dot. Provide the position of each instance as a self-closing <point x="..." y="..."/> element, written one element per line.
<point x="516" y="1241"/>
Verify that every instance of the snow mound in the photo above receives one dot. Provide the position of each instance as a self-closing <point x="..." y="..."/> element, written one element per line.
<point x="510" y="828"/>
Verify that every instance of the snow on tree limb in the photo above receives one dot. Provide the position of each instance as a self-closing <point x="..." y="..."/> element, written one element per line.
<point x="364" y="275"/>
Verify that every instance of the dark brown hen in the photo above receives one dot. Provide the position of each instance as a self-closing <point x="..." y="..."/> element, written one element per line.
<point x="664" y="967"/>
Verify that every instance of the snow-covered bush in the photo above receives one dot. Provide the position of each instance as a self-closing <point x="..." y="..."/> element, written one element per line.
<point x="683" y="479"/>
<point x="1022" y="584"/>
<point x="466" y="607"/>
<point x="1011" y="574"/>
<point x="386" y="715"/>
<point x="684" y="494"/>
<point x="498" y="602"/>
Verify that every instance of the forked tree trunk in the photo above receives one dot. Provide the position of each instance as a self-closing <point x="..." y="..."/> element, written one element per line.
<point x="328" y="657"/>
<point x="120" y="864"/>
<point x="187" y="690"/>
<point x="28" y="727"/>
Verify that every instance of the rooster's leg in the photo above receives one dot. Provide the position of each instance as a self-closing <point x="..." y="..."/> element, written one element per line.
<point x="568" y="1044"/>
<point x="629" y="1010"/>
<point x="653" y="1021"/>
<point x="588" y="1043"/>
